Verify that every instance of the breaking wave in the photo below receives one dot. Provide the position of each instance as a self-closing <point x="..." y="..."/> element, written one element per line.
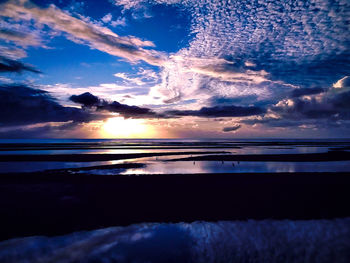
<point x="225" y="241"/>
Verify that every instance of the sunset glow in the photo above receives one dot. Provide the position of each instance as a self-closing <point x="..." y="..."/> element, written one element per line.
<point x="183" y="69"/>
<point x="119" y="127"/>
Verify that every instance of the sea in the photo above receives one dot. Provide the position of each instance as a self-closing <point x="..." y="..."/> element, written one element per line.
<point x="168" y="163"/>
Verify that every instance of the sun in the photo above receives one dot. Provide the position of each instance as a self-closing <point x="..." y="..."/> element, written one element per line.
<point x="118" y="127"/>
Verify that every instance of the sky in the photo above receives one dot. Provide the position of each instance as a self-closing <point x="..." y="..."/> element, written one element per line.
<point x="175" y="69"/>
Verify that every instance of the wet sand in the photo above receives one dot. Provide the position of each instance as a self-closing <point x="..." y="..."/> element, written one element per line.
<point x="90" y="157"/>
<point x="55" y="203"/>
<point x="163" y="144"/>
<point x="307" y="157"/>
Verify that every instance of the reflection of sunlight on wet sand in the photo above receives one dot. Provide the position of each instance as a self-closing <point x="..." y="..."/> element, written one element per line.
<point x="189" y="167"/>
<point x="117" y="151"/>
<point x="119" y="127"/>
<point x="160" y="167"/>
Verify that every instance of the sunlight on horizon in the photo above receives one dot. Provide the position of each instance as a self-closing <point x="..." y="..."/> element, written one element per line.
<point x="118" y="127"/>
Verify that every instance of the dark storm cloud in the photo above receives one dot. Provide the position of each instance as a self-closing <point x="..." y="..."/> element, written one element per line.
<point x="299" y="123"/>
<point x="46" y="131"/>
<point x="231" y="128"/>
<point x="346" y="82"/>
<point x="127" y="110"/>
<point x="329" y="109"/>
<point x="86" y="99"/>
<point x="21" y="105"/>
<point x="9" y="65"/>
<point x="219" y="111"/>
<point x="342" y="101"/>
<point x="89" y="100"/>
<point x="279" y="122"/>
<point x="336" y="107"/>
<point x="306" y="91"/>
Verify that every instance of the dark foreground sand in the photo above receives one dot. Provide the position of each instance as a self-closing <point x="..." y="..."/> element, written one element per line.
<point x="54" y="203"/>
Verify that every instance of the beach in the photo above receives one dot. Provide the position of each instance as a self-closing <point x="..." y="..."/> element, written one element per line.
<point x="55" y="204"/>
<point x="97" y="188"/>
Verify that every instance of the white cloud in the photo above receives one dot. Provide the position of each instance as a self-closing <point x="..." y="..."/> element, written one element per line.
<point x="342" y="83"/>
<point x="144" y="77"/>
<point x="107" y="18"/>
<point x="84" y="32"/>
<point x="12" y="52"/>
<point x="118" y="22"/>
<point x="257" y="32"/>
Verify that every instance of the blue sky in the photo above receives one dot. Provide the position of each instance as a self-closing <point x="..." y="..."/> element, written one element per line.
<point x="173" y="68"/>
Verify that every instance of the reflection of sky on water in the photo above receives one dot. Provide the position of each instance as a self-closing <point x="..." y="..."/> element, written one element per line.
<point x="156" y="164"/>
<point x="243" y="150"/>
<point x="184" y="167"/>
<point x="159" y="165"/>
<point x="12" y="167"/>
<point x="200" y="242"/>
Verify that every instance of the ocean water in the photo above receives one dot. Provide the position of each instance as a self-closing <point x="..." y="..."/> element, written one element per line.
<point x="166" y="164"/>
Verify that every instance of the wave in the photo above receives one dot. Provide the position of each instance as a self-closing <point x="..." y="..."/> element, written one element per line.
<point x="224" y="241"/>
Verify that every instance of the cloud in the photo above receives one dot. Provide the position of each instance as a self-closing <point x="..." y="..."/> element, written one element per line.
<point x="84" y="31"/>
<point x="218" y="100"/>
<point x="313" y="108"/>
<point x="143" y="78"/>
<point x="329" y="109"/>
<point x="12" y="52"/>
<point x="118" y="22"/>
<point x="222" y="69"/>
<point x="342" y="83"/>
<point x="19" y="35"/>
<point x="88" y="100"/>
<point x="21" y="105"/>
<point x="138" y="9"/>
<point x="219" y="111"/>
<point x="129" y="4"/>
<point x="43" y="131"/>
<point x="341" y="101"/>
<point x="306" y="91"/>
<point x="9" y="65"/>
<point x="278" y="55"/>
<point x="127" y="110"/>
<point x="186" y="76"/>
<point x="231" y="128"/>
<point x="107" y="18"/>
<point x="272" y="45"/>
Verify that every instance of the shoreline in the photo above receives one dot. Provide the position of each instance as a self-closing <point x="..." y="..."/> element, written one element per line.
<point x="214" y="156"/>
